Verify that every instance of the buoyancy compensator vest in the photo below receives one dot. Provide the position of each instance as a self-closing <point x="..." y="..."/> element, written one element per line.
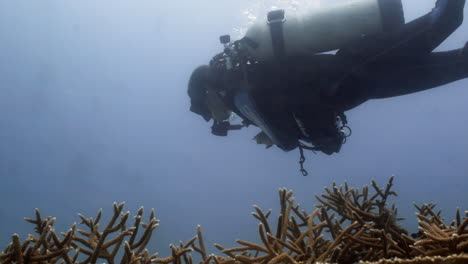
<point x="321" y="30"/>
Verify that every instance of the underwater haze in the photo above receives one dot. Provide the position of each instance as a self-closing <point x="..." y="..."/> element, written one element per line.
<point x="94" y="109"/>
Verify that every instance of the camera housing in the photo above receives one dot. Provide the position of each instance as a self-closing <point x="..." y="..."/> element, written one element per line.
<point x="220" y="128"/>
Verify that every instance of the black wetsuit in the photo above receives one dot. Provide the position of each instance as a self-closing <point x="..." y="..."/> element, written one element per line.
<point x="400" y="62"/>
<point x="319" y="87"/>
<point x="316" y="89"/>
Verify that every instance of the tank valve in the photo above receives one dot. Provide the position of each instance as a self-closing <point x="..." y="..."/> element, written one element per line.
<point x="225" y="39"/>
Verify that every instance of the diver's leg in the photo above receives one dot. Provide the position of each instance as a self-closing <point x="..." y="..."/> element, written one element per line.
<point x="445" y="18"/>
<point x="433" y="70"/>
<point x="418" y="37"/>
<point x="395" y="78"/>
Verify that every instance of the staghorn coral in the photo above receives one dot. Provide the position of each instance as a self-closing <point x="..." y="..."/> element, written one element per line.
<point x="87" y="246"/>
<point x="351" y="225"/>
<point x="348" y="225"/>
<point x="452" y="259"/>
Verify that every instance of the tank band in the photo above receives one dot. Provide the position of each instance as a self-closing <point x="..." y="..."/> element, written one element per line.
<point x="392" y="14"/>
<point x="275" y="20"/>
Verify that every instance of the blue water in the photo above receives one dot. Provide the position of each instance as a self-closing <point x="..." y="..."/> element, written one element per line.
<point x="93" y="109"/>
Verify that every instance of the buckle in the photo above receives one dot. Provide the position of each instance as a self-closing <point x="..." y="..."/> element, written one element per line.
<point x="275" y="16"/>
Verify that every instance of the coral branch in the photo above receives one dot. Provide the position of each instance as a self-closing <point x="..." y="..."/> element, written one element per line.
<point x="348" y="225"/>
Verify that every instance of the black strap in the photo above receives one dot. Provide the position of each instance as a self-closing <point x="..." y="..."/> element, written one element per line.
<point x="275" y="20"/>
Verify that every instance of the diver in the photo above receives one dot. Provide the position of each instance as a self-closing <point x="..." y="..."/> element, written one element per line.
<point x="283" y="77"/>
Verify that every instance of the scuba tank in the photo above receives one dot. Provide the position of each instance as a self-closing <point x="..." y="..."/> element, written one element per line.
<point x="287" y="34"/>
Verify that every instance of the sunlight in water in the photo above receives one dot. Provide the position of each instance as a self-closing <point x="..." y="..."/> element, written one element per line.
<point x="259" y="9"/>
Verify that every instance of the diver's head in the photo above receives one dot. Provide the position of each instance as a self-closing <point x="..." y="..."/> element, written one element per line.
<point x="207" y="100"/>
<point x="197" y="91"/>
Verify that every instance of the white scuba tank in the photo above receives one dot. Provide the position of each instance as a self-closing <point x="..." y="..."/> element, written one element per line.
<point x="326" y="29"/>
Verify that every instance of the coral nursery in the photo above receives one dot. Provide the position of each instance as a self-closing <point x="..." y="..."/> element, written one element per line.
<point x="349" y="225"/>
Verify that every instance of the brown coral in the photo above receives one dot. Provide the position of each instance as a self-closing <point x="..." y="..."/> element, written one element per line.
<point x="351" y="225"/>
<point x="80" y="246"/>
<point x="348" y="225"/>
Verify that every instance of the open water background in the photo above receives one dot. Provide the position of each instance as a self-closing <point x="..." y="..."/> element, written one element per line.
<point x="93" y="109"/>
